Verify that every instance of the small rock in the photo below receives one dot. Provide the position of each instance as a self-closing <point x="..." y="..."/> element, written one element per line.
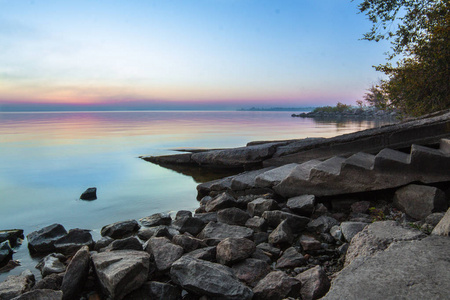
<point x="258" y="206"/>
<point x="350" y="229"/>
<point x="309" y="243"/>
<point x="5" y="253"/>
<point x="302" y="205"/>
<point x="146" y="233"/>
<point x="193" y="225"/>
<point x="336" y="233"/>
<point x="361" y="207"/>
<point x="16" y="285"/>
<point x="251" y="271"/>
<point x="343" y="248"/>
<point x="258" y="224"/>
<point x="322" y="224"/>
<point x="207" y="217"/>
<point x="232" y="250"/>
<point x="102" y="243"/>
<point x="222" y="231"/>
<point x="121" y="229"/>
<point x="275" y="217"/>
<point x="89" y="194"/>
<point x="40" y="295"/>
<point x="44" y="239"/>
<point x="266" y="247"/>
<point x="129" y="243"/>
<point x="291" y="258"/>
<point x="76" y="274"/>
<point x="187" y="242"/>
<point x="183" y="214"/>
<point x="260" y="237"/>
<point x="164" y="251"/>
<point x="232" y="216"/>
<point x="261" y="255"/>
<point x="207" y="253"/>
<point x="282" y="234"/>
<point x="52" y="263"/>
<point x="222" y="201"/>
<point x="276" y="286"/>
<point x="156" y="220"/>
<point x="315" y="283"/>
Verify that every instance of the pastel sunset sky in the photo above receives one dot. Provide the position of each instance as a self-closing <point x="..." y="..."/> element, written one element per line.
<point x="181" y="54"/>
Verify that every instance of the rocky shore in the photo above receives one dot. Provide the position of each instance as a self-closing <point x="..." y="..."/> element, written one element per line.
<point x="360" y="226"/>
<point x="350" y="113"/>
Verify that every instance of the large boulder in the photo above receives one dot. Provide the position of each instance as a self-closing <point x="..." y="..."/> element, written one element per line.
<point x="443" y="227"/>
<point x="156" y="220"/>
<point x="406" y="270"/>
<point x="220" y="231"/>
<point x="156" y="290"/>
<point x="210" y="279"/>
<point x="40" y="295"/>
<point x="232" y="250"/>
<point x="76" y="274"/>
<point x="164" y="252"/>
<point x="120" y="229"/>
<point x="291" y="258"/>
<point x="251" y="271"/>
<point x="52" y="263"/>
<point x="192" y="225"/>
<point x="419" y="201"/>
<point x="73" y="241"/>
<point x="121" y="272"/>
<point x="16" y="285"/>
<point x="276" y="286"/>
<point x="315" y="283"/>
<point x="43" y="240"/>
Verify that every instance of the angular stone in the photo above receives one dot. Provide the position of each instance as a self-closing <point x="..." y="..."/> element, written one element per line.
<point x="129" y="243"/>
<point x="156" y="290"/>
<point x="120" y="272"/>
<point x="73" y="241"/>
<point x="89" y="194"/>
<point x="410" y="269"/>
<point x="183" y="214"/>
<point x="207" y="253"/>
<point x="187" y="242"/>
<point x="275" y="217"/>
<point x="156" y="220"/>
<point x="282" y="234"/>
<point x="50" y="282"/>
<point x="336" y="233"/>
<point x="350" y="229"/>
<point x="207" y="217"/>
<point x="260" y="237"/>
<point x="291" y="258"/>
<point x="274" y="176"/>
<point x="443" y="227"/>
<point x="76" y="274"/>
<point x="276" y="286"/>
<point x="258" y="224"/>
<point x="232" y="216"/>
<point x="322" y="224"/>
<point x="103" y="242"/>
<point x="302" y="205"/>
<point x="222" y="201"/>
<point x="315" y="283"/>
<point x="309" y="243"/>
<point x="232" y="250"/>
<point x="146" y="233"/>
<point x="121" y="229"/>
<point x="210" y="279"/>
<point x="268" y="248"/>
<point x="40" y="295"/>
<point x="52" y="263"/>
<point x="16" y="285"/>
<point x="44" y="239"/>
<point x="251" y="271"/>
<point x="419" y="201"/>
<point x="164" y="251"/>
<point x="5" y="253"/>
<point x="12" y="235"/>
<point x="258" y="206"/>
<point x="222" y="231"/>
<point x="193" y="225"/>
<point x="261" y="255"/>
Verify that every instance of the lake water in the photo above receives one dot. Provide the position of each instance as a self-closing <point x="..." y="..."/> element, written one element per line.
<point x="48" y="159"/>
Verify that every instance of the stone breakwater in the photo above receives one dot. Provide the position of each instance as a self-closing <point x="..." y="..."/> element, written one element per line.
<point x="257" y="246"/>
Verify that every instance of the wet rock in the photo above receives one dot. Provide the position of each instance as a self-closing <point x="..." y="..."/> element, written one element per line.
<point x="188" y="243"/>
<point x="309" y="243"/>
<point x="121" y="272"/>
<point x="302" y="205"/>
<point x="120" y="230"/>
<point x="222" y="231"/>
<point x="156" y="290"/>
<point x="5" y="253"/>
<point x="16" y="285"/>
<point x="275" y="217"/>
<point x="129" y="243"/>
<point x="322" y="224"/>
<point x="207" y="253"/>
<point x="52" y="263"/>
<point x="232" y="216"/>
<point x="350" y="229"/>
<point x="76" y="274"/>
<point x="50" y="282"/>
<point x="222" y="201"/>
<point x="40" y="295"/>
<point x="12" y="235"/>
<point x="183" y="214"/>
<point x="74" y="240"/>
<point x="361" y="207"/>
<point x="210" y="279"/>
<point x="232" y="250"/>
<point x="156" y="220"/>
<point x="193" y="225"/>
<point x="258" y="224"/>
<point x="44" y="239"/>
<point x="315" y="283"/>
<point x="291" y="258"/>
<point x="164" y="251"/>
<point x="419" y="201"/>
<point x="282" y="234"/>
<point x="251" y="271"/>
<point x="443" y="227"/>
<point x="276" y="286"/>
<point x="207" y="217"/>
<point x="89" y="194"/>
<point x="258" y="206"/>
<point x="103" y="242"/>
<point x="146" y="233"/>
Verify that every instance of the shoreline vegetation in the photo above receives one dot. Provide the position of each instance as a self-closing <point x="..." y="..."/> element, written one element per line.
<point x="347" y="111"/>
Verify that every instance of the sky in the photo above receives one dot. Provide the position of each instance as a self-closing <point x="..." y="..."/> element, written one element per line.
<point x="184" y="54"/>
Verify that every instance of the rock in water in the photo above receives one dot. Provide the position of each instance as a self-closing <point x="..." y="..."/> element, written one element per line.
<point x="5" y="253"/>
<point x="120" y="272"/>
<point x="44" y="239"/>
<point x="210" y="279"/>
<point x="89" y="194"/>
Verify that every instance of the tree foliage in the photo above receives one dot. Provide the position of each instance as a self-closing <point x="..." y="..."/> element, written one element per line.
<point x="419" y="31"/>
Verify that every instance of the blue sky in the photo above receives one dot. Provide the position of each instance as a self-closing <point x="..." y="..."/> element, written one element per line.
<point x="221" y="54"/>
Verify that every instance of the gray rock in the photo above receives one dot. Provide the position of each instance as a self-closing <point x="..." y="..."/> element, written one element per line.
<point x="156" y="290"/>
<point x="251" y="271"/>
<point x="406" y="270"/>
<point x="419" y="201"/>
<point x="183" y="214"/>
<point x="207" y="253"/>
<point x="40" y="295"/>
<point x="5" y="252"/>
<point x="121" y="272"/>
<point x="342" y="249"/>
<point x="282" y="234"/>
<point x="276" y="286"/>
<point x="309" y="243"/>
<point x="103" y="242"/>
<point x="193" y="225"/>
<point x="164" y="251"/>
<point x="146" y="233"/>
<point x="210" y="279"/>
<point x="156" y="220"/>
<point x="322" y="224"/>
<point x="50" y="282"/>
<point x="52" y="263"/>
<point x="222" y="231"/>
<point x="336" y="233"/>
<point x="12" y="235"/>
<point x="89" y="194"/>
<point x="232" y="250"/>
<point x="120" y="230"/>
<point x="232" y="216"/>
<point x="128" y="243"/>
<point x="268" y="248"/>
<point x="73" y="241"/>
<point x="377" y="237"/>
<point x="16" y="285"/>
<point x="76" y="274"/>
<point x="44" y="239"/>
<point x="434" y="218"/>
<point x="222" y="201"/>
<point x="350" y="229"/>
<point x="291" y="258"/>
<point x="302" y="205"/>
<point x="258" y="206"/>
<point x="275" y="217"/>
<point x="315" y="283"/>
<point x="261" y="255"/>
<point x="188" y="243"/>
<point x="258" y="224"/>
<point x="274" y="176"/>
<point x="443" y="227"/>
<point x="207" y="217"/>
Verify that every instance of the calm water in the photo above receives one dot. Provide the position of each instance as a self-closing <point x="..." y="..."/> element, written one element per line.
<point x="48" y="159"/>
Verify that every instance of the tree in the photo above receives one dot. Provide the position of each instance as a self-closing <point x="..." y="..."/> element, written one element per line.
<point x="420" y="81"/>
<point x="376" y="98"/>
